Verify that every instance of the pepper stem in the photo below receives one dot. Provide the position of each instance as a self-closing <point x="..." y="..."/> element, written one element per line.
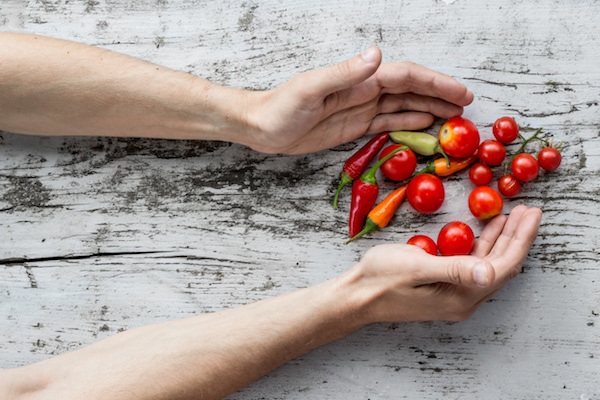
<point x="370" y="226"/>
<point x="369" y="176"/>
<point x="344" y="180"/>
<point x="438" y="148"/>
<point x="429" y="169"/>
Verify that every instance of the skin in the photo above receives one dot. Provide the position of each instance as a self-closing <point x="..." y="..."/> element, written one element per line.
<point x="86" y="91"/>
<point x="210" y="356"/>
<point x="83" y="90"/>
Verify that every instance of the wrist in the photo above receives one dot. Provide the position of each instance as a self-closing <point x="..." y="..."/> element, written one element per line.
<point x="357" y="298"/>
<point x="222" y="113"/>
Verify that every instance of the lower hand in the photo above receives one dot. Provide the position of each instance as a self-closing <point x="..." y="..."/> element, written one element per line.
<point x="323" y="108"/>
<point x="404" y="283"/>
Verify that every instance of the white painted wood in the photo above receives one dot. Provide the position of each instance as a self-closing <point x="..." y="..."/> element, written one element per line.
<point x="100" y="235"/>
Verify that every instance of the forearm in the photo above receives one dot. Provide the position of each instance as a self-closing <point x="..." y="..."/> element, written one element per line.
<point x="204" y="357"/>
<point x="55" y="87"/>
<point x="213" y="355"/>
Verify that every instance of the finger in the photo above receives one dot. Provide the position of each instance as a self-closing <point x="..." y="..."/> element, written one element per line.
<point x="508" y="263"/>
<point x="407" y="120"/>
<point x="414" y="102"/>
<point x="317" y="84"/>
<point x="508" y="231"/>
<point x="405" y="77"/>
<point x="457" y="270"/>
<point x="529" y="226"/>
<point x="524" y="237"/>
<point x="488" y="236"/>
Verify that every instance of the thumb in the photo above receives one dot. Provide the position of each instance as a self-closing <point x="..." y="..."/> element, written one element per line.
<point x="324" y="81"/>
<point x="459" y="270"/>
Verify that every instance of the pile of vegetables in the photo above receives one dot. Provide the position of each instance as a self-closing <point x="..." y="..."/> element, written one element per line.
<point x="456" y="147"/>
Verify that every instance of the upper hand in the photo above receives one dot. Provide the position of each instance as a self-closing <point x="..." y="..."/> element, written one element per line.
<point x="323" y="108"/>
<point x="407" y="284"/>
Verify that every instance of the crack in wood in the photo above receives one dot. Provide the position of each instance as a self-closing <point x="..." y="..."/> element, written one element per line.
<point x="510" y="85"/>
<point x="25" y="260"/>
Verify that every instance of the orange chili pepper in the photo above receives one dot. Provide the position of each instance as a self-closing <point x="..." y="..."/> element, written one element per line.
<point x="439" y="167"/>
<point x="379" y="217"/>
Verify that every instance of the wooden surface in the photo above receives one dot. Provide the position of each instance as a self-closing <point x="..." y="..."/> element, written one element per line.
<point x="99" y="235"/>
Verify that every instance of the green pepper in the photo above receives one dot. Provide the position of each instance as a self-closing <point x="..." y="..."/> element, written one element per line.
<point x="420" y="142"/>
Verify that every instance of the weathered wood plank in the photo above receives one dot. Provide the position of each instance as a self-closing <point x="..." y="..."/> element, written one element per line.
<point x="99" y="235"/>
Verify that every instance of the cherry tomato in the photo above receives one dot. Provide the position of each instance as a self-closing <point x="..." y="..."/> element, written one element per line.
<point x="524" y="167"/>
<point x="505" y="129"/>
<point x="455" y="238"/>
<point x="459" y="137"/>
<point x="485" y="202"/>
<point x="480" y="174"/>
<point x="491" y="152"/>
<point x="549" y="158"/>
<point x="425" y="193"/>
<point x="424" y="242"/>
<point x="509" y="186"/>
<point x="401" y="166"/>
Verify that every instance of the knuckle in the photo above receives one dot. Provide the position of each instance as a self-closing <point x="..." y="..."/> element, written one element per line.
<point x="414" y="273"/>
<point x="453" y="271"/>
<point x="461" y="308"/>
<point x="514" y="272"/>
<point x="409" y="64"/>
<point x="463" y="316"/>
<point x="378" y="255"/>
<point x="342" y="70"/>
<point x="461" y="312"/>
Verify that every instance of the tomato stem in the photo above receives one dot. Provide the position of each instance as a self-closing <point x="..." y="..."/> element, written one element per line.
<point x="522" y="148"/>
<point x="525" y="141"/>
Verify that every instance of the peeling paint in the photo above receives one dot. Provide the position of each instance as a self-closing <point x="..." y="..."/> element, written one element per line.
<point x="26" y="193"/>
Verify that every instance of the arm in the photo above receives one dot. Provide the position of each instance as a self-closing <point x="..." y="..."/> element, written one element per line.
<point x="213" y="355"/>
<point x="56" y="87"/>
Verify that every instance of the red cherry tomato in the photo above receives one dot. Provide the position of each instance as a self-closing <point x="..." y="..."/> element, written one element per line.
<point x="505" y="130"/>
<point x="524" y="167"/>
<point x="455" y="238"/>
<point x="509" y="186"/>
<point x="425" y="193"/>
<point x="459" y="137"/>
<point x="401" y="166"/>
<point x="491" y="152"/>
<point x="424" y="242"/>
<point x="549" y="158"/>
<point x="480" y="174"/>
<point x="485" y="202"/>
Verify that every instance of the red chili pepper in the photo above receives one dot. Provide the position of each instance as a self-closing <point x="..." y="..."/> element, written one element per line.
<point x="358" y="163"/>
<point x="364" y="195"/>
<point x="380" y="216"/>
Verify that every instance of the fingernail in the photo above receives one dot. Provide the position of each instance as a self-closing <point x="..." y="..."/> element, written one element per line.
<point x="370" y="55"/>
<point x="480" y="274"/>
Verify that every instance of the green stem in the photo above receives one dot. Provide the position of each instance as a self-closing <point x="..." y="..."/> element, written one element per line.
<point x="370" y="226"/>
<point x="369" y="176"/>
<point x="525" y="141"/>
<point x="344" y="180"/>
<point x="439" y="149"/>
<point x="429" y="169"/>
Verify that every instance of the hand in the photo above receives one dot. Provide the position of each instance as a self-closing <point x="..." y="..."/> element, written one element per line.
<point x="323" y="108"/>
<point x="407" y="284"/>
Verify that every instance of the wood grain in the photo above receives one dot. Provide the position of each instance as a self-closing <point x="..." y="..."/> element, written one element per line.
<point x="99" y="235"/>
